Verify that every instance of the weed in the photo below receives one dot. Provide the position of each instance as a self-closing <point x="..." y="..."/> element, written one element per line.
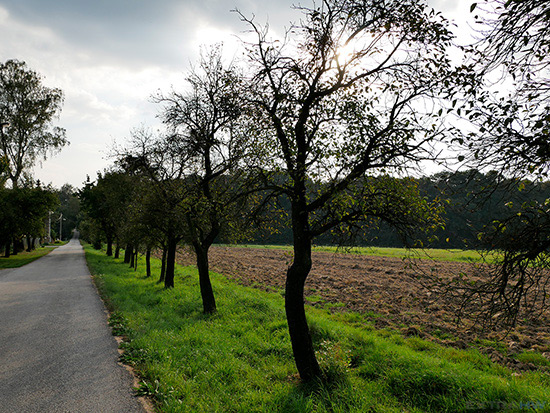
<point x="334" y="360"/>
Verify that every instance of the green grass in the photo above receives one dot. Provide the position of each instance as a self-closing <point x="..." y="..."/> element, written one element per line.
<point x="533" y="357"/>
<point x="23" y="258"/>
<point x="240" y="359"/>
<point x="424" y="253"/>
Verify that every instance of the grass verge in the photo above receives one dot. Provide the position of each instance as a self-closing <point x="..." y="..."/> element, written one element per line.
<point x="240" y="359"/>
<point x="23" y="258"/>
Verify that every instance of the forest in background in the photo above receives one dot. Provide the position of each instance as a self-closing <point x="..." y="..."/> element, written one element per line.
<point x="471" y="199"/>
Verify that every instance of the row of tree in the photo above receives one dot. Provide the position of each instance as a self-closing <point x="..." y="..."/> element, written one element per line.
<point x="316" y="127"/>
<point x="33" y="214"/>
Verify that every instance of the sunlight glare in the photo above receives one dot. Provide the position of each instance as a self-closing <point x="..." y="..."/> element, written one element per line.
<point x="346" y="52"/>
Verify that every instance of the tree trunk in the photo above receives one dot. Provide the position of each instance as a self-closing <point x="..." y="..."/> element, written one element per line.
<point x="128" y="253"/>
<point x="29" y="243"/>
<point x="15" y="246"/>
<point x="170" y="263"/>
<point x="207" y="294"/>
<point x="163" y="265"/>
<point x="7" y="252"/>
<point x="132" y="257"/>
<point x="302" y="345"/>
<point x="148" y="261"/>
<point x="109" y="246"/>
<point x="136" y="252"/>
<point x="117" y="251"/>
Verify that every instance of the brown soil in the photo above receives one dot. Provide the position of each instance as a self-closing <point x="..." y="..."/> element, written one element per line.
<point x="383" y="288"/>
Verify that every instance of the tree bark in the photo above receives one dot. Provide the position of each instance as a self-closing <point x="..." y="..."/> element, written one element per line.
<point x="207" y="293"/>
<point x="302" y="345"/>
<point x="15" y="247"/>
<point x="109" y="246"/>
<point x="148" y="261"/>
<point x="163" y="265"/>
<point x="117" y="251"/>
<point x="128" y="253"/>
<point x="7" y="252"/>
<point x="132" y="257"/>
<point x="170" y="263"/>
<point x="136" y="252"/>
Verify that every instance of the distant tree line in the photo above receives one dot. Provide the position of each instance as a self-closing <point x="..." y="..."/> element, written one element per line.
<point x="471" y="199"/>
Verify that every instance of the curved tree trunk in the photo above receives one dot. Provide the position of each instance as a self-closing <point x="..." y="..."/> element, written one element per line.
<point x="302" y="345"/>
<point x="170" y="263"/>
<point x="207" y="293"/>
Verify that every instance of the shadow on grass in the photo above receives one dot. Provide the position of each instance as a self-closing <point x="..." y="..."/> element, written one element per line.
<point x="324" y="395"/>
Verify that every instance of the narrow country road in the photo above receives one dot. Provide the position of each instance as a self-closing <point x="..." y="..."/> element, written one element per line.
<point x="56" y="351"/>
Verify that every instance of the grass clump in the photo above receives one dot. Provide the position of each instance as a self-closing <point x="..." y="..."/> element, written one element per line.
<point x="533" y="357"/>
<point x="240" y="359"/>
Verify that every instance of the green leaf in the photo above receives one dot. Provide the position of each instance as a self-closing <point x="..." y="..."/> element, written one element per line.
<point x="473" y="7"/>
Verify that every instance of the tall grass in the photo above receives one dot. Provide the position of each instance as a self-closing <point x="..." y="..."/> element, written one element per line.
<point x="240" y="359"/>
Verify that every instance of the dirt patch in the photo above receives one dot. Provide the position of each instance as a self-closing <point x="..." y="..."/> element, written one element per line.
<point x="383" y="288"/>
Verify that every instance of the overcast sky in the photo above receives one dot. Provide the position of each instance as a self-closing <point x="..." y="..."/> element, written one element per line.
<point x="110" y="56"/>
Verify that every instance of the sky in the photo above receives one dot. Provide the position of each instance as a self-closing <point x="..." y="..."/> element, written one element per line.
<point x="110" y="56"/>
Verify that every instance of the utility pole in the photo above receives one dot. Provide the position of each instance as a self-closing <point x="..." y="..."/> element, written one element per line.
<point x="49" y="227"/>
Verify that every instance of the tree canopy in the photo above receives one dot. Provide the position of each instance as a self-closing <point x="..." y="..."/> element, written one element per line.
<point x="28" y="108"/>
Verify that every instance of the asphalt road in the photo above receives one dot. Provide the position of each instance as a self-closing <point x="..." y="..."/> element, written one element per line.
<point x="57" y="353"/>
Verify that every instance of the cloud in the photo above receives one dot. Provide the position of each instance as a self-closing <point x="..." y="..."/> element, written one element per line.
<point x="109" y="56"/>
